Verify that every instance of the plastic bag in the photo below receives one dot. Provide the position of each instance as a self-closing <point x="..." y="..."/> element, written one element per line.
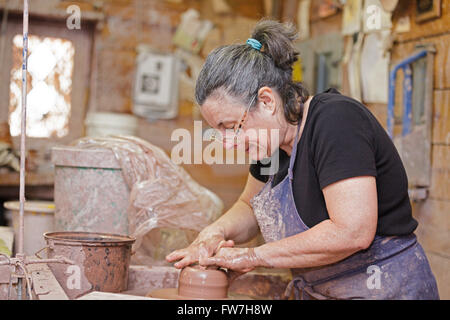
<point x="167" y="208"/>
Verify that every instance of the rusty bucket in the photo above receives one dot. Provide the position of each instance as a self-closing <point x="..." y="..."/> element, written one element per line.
<point x="101" y="261"/>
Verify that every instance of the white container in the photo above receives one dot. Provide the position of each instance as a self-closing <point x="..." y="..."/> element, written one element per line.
<point x="108" y="123"/>
<point x="38" y="219"/>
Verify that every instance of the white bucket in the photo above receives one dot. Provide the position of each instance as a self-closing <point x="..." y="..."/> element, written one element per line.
<point x="38" y="219"/>
<point x="107" y="123"/>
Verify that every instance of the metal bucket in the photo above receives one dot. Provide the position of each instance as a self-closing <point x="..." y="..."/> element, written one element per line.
<point x="101" y="261"/>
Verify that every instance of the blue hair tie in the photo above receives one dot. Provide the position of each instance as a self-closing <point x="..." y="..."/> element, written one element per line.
<point x="255" y="44"/>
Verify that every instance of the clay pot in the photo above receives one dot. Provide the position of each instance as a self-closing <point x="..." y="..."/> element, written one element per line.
<point x="210" y="283"/>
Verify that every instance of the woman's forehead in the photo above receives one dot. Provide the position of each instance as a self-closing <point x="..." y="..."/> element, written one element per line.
<point x="217" y="108"/>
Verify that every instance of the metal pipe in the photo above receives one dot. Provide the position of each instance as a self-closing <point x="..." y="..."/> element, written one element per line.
<point x="19" y="289"/>
<point x="23" y="126"/>
<point x="392" y="78"/>
<point x="23" y="135"/>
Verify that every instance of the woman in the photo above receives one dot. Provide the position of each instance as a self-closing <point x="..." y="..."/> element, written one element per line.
<point x="337" y="212"/>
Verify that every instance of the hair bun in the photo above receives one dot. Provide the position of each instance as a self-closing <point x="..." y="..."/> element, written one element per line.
<point x="277" y="41"/>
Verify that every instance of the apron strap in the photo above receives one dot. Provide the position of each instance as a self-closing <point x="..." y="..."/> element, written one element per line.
<point x="294" y="154"/>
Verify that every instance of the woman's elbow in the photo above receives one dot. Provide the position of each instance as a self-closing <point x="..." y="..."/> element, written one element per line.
<point x="365" y="243"/>
<point x="362" y="241"/>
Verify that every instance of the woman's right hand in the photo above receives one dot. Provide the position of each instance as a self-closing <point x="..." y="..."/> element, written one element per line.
<point x="238" y="223"/>
<point x="208" y="242"/>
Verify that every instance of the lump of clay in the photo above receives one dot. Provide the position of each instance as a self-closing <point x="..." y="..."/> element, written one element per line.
<point x="198" y="283"/>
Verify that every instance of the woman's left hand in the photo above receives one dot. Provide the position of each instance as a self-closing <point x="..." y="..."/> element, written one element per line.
<point x="240" y="260"/>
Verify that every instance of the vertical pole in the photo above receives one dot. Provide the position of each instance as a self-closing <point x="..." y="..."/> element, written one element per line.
<point x="23" y="134"/>
<point x="407" y="100"/>
<point x="391" y="103"/>
<point x="23" y="125"/>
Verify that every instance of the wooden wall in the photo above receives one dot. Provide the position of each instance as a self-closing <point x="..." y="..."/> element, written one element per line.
<point x="434" y="213"/>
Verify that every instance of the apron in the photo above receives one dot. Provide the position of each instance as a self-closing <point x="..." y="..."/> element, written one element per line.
<point x="391" y="268"/>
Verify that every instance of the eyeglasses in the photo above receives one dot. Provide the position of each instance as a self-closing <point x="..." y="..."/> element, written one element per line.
<point x="237" y="129"/>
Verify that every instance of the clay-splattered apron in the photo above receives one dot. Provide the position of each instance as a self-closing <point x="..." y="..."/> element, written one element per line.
<point x="391" y="268"/>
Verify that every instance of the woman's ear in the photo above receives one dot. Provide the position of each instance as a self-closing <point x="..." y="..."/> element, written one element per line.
<point x="266" y="98"/>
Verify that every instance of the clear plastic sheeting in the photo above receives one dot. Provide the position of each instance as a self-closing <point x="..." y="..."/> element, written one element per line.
<point x="167" y="208"/>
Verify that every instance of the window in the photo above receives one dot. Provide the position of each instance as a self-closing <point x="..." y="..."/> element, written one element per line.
<point x="50" y="69"/>
<point x="59" y="78"/>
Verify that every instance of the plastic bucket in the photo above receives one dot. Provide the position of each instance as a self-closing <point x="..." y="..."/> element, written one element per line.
<point x="107" y="123"/>
<point x="38" y="219"/>
<point x="101" y="261"/>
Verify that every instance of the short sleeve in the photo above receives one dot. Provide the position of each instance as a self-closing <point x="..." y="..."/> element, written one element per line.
<point x="342" y="143"/>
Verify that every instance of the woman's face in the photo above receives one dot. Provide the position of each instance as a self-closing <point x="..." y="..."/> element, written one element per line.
<point x="260" y="127"/>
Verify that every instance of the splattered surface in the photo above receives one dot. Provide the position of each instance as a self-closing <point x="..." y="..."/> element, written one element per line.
<point x="90" y="193"/>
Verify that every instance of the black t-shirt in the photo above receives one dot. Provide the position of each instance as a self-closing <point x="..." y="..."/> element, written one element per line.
<point x="342" y="139"/>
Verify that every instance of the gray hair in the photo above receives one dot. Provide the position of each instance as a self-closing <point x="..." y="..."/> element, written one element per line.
<point x="240" y="70"/>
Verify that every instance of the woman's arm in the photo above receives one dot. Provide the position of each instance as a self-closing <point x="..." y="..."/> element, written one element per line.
<point x="352" y="207"/>
<point x="237" y="225"/>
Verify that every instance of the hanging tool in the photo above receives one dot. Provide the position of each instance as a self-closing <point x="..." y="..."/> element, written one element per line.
<point x="414" y="143"/>
<point x="405" y="65"/>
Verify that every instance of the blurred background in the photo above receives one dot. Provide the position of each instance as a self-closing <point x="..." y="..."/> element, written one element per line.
<point x="129" y="67"/>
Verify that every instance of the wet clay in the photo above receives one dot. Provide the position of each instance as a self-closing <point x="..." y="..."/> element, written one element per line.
<point x="197" y="283"/>
<point x="203" y="283"/>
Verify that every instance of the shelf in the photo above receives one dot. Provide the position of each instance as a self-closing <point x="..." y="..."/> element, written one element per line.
<point x="31" y="179"/>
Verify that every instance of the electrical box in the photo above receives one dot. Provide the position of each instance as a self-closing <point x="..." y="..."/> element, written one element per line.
<point x="156" y="85"/>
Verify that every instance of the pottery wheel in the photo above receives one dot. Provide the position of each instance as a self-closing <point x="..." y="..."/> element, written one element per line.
<point x="172" y="294"/>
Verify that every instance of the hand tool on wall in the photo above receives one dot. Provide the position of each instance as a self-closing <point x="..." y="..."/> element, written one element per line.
<point x="414" y="143"/>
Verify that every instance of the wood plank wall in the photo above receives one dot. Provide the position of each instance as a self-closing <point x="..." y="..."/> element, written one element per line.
<point x="434" y="214"/>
